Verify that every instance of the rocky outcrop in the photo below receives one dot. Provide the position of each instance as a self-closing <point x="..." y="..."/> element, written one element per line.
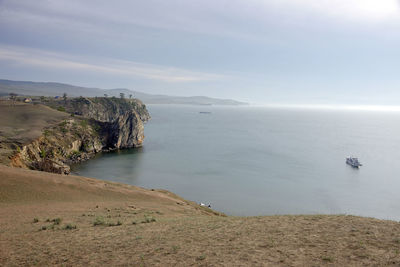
<point x="98" y="124"/>
<point x="127" y="131"/>
<point x="105" y="109"/>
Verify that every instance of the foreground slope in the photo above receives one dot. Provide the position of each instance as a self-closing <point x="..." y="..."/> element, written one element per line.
<point x="145" y="228"/>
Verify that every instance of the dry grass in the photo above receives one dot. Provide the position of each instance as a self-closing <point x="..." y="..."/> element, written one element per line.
<point x="181" y="233"/>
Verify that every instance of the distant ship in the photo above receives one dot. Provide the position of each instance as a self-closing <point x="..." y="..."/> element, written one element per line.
<point x="205" y="112"/>
<point x="353" y="162"/>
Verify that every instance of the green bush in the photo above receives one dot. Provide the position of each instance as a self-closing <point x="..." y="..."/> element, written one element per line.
<point x="61" y="108"/>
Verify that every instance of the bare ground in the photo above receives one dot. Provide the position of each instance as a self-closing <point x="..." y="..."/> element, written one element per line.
<point x="144" y="228"/>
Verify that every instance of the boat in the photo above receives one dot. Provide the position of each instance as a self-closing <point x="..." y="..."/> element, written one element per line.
<point x="353" y="162"/>
<point x="205" y="112"/>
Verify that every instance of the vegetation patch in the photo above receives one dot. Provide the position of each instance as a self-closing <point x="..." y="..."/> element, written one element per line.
<point x="46" y="133"/>
<point x="84" y="123"/>
<point x="99" y="221"/>
<point x="42" y="153"/>
<point x="74" y="154"/>
<point x="69" y="227"/>
<point x="114" y="224"/>
<point x="55" y="221"/>
<point x="327" y="259"/>
<point x="148" y="219"/>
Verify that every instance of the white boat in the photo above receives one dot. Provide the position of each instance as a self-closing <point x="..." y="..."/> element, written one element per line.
<point x="353" y="162"/>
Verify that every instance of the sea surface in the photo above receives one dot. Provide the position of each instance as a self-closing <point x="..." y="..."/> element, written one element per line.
<point x="265" y="161"/>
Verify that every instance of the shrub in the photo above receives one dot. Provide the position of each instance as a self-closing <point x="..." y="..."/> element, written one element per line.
<point x="74" y="154"/>
<point x="42" y="153"/>
<point x="148" y="219"/>
<point x="99" y="221"/>
<point x="35" y="220"/>
<point x="114" y="224"/>
<point x="56" y="221"/>
<point x="69" y="226"/>
<point x="61" y="108"/>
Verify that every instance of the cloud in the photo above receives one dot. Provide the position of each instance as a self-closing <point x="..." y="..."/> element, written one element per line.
<point x="251" y="20"/>
<point x="225" y="17"/>
<point x="51" y="60"/>
<point x="363" y="10"/>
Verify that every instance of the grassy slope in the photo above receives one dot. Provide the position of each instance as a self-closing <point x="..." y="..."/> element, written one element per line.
<point x="182" y="234"/>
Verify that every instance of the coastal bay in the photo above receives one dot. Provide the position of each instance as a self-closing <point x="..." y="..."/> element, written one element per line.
<point x="265" y="161"/>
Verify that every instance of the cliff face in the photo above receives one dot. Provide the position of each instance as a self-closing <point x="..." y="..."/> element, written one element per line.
<point x="121" y="120"/>
<point x="105" y="109"/>
<point x="98" y="124"/>
<point x="127" y="131"/>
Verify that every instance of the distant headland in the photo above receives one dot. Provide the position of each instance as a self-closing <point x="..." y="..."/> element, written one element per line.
<point x="29" y="88"/>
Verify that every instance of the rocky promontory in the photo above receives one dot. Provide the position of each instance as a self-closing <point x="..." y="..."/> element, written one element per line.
<point x="90" y="125"/>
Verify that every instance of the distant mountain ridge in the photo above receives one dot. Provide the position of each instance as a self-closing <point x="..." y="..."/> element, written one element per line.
<point x="57" y="89"/>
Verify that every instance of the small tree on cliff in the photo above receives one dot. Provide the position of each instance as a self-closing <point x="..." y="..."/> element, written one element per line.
<point x="65" y="97"/>
<point x="130" y="96"/>
<point x="105" y="95"/>
<point x="122" y="95"/>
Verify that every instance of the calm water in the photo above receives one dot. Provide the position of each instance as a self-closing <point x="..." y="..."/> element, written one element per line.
<point x="264" y="161"/>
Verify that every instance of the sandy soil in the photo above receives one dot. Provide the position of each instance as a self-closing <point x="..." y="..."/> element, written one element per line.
<point x="141" y="227"/>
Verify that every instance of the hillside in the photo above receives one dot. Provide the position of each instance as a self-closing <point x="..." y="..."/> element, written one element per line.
<point x="57" y="89"/>
<point x="20" y="124"/>
<point x="51" y="219"/>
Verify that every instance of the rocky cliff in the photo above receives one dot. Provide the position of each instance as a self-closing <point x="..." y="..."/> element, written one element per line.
<point x="103" y="109"/>
<point x="120" y="120"/>
<point x="95" y="125"/>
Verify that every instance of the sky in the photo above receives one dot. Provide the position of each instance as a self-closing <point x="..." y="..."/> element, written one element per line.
<point x="289" y="52"/>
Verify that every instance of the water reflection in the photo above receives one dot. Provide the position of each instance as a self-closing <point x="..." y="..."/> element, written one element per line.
<point x="119" y="165"/>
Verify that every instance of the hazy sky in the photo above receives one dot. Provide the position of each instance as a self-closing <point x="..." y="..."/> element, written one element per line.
<point x="260" y="51"/>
